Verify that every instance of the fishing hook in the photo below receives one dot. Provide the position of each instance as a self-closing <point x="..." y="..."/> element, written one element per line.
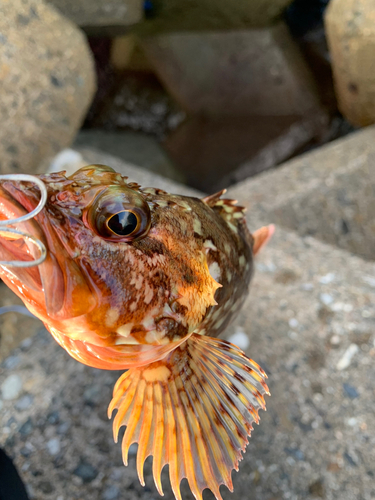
<point x="4" y="225"/>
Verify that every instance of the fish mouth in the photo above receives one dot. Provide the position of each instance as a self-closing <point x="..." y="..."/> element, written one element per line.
<point x="57" y="287"/>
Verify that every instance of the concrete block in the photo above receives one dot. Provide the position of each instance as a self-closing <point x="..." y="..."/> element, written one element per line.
<point x="350" y="27"/>
<point x="328" y="193"/>
<point x="95" y="14"/>
<point x="215" y="153"/>
<point x="47" y="83"/>
<point x="235" y="73"/>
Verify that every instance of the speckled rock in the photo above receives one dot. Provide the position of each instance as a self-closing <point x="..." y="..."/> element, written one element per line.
<point x="93" y="14"/>
<point x="309" y="304"/>
<point x="234" y="73"/>
<point x="327" y="193"/>
<point x="47" y="83"/>
<point x="350" y="28"/>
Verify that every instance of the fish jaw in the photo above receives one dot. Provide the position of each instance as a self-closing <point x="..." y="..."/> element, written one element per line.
<point x="56" y="287"/>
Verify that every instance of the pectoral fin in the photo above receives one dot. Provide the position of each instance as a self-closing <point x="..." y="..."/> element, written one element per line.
<point x="262" y="236"/>
<point x="192" y="410"/>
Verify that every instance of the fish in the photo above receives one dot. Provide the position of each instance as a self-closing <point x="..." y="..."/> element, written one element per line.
<point x="141" y="280"/>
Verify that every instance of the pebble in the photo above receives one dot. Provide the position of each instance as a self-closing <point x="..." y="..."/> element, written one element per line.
<point x="326" y="298"/>
<point x="240" y="339"/>
<point x="347" y="357"/>
<point x="11" y="387"/>
<point x="86" y="472"/>
<point x="53" y="446"/>
<point x="328" y="278"/>
<point x="24" y="402"/>
<point x="11" y="362"/>
<point x="111" y="493"/>
<point x="350" y="391"/>
<point x="293" y="323"/>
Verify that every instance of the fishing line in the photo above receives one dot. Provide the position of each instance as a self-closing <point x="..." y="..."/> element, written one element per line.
<point x="5" y="226"/>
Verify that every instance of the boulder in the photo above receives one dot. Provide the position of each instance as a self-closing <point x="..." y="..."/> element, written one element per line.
<point x="47" y="83"/>
<point x="234" y="73"/>
<point x="327" y="193"/>
<point x="350" y="27"/>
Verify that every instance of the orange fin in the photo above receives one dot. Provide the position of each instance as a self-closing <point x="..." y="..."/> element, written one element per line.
<point x="262" y="236"/>
<point x="192" y="410"/>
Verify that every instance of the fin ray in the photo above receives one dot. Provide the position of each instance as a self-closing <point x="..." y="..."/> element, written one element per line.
<point x="192" y="410"/>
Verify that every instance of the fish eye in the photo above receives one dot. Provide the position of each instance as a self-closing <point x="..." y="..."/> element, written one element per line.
<point x="118" y="213"/>
<point x="123" y="223"/>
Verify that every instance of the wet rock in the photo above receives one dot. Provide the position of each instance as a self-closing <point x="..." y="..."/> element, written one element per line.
<point x="350" y="27"/>
<point x="11" y="387"/>
<point x="95" y="14"/>
<point x="47" y="83"/>
<point x="234" y="73"/>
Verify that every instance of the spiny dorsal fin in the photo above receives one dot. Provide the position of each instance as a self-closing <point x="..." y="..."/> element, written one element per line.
<point x="192" y="410"/>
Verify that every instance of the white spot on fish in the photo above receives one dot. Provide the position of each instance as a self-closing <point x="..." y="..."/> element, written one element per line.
<point x="111" y="317"/>
<point x="149" y="293"/>
<point x="242" y="261"/>
<point x="209" y="244"/>
<point x="124" y="330"/>
<point x="229" y="276"/>
<point x="227" y="248"/>
<point x="197" y="226"/>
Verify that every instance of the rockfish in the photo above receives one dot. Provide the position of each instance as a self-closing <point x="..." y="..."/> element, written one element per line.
<point x="143" y="280"/>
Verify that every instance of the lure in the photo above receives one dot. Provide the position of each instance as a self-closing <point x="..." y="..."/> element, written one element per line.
<point x="134" y="278"/>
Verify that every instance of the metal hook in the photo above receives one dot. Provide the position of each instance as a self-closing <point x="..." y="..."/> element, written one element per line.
<point x="4" y="225"/>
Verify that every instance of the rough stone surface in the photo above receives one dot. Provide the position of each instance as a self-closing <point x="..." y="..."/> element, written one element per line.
<point x="350" y="27"/>
<point x="47" y="83"/>
<point x="96" y="13"/>
<point x="309" y="304"/>
<point x="215" y="153"/>
<point x="132" y="147"/>
<point x="234" y="73"/>
<point x="194" y="15"/>
<point x="328" y="193"/>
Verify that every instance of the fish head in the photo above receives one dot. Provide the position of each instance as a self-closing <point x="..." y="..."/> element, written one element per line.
<point x="123" y="267"/>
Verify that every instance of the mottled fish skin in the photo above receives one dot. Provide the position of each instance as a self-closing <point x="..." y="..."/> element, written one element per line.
<point x="150" y="300"/>
<point x="156" y="290"/>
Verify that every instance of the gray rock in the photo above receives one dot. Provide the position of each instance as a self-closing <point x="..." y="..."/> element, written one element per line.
<point x="234" y="73"/>
<point x="24" y="402"/>
<point x="136" y="148"/>
<point x="217" y="152"/>
<point x="95" y="14"/>
<point x="314" y="193"/>
<point x="86" y="472"/>
<point x="47" y="83"/>
<point x="11" y="387"/>
<point x="111" y="493"/>
<point x="53" y="446"/>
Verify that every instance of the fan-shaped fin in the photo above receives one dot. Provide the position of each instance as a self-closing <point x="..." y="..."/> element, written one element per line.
<point x="262" y="236"/>
<point x="192" y="410"/>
